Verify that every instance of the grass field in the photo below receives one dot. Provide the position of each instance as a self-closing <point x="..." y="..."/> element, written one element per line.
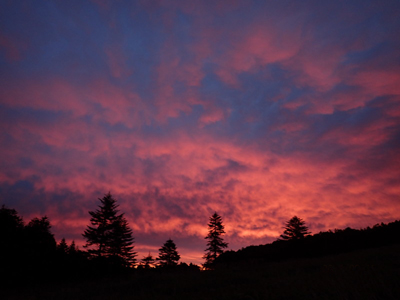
<point x="363" y="274"/>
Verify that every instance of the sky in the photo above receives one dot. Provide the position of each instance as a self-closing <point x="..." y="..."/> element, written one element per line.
<point x="256" y="110"/>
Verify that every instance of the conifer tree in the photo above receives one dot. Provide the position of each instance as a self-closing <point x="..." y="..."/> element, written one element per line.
<point x="110" y="236"/>
<point x="12" y="241"/>
<point x="121" y="244"/>
<point x="148" y="261"/>
<point x="295" y="229"/>
<point x="39" y="236"/>
<point x="72" y="248"/>
<point x="215" y="242"/>
<point x="168" y="256"/>
<point x="10" y="222"/>
<point x="11" y="229"/>
<point x="62" y="247"/>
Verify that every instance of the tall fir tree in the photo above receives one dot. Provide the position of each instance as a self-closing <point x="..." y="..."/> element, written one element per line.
<point x="295" y="229"/>
<point x="168" y="256"/>
<point x="110" y="236"/>
<point x="215" y="242"/>
<point x="121" y="245"/>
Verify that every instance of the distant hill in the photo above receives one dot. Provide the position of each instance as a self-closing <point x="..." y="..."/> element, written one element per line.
<point x="320" y="244"/>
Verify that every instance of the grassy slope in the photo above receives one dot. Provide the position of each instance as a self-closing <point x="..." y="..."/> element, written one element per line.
<point x="363" y="274"/>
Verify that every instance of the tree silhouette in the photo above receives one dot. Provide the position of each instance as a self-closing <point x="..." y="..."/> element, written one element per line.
<point x="121" y="246"/>
<point x="215" y="241"/>
<point x="11" y="229"/>
<point x="62" y="246"/>
<point x="9" y="221"/>
<point x="110" y="236"/>
<point x="168" y="256"/>
<point x="12" y="242"/>
<point x="41" y="240"/>
<point x="295" y="229"/>
<point x="40" y="252"/>
<point x="72" y="248"/>
<point x="148" y="261"/>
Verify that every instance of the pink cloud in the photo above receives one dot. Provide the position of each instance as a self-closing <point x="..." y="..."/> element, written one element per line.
<point x="258" y="45"/>
<point x="379" y="82"/>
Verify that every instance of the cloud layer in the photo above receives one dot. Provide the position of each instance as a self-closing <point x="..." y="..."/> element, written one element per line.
<point x="259" y="112"/>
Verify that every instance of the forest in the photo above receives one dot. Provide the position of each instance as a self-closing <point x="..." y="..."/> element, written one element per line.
<point x="363" y="263"/>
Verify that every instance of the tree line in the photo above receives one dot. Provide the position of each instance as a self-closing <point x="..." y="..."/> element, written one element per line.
<point x="296" y="243"/>
<point x="32" y="248"/>
<point x="110" y="239"/>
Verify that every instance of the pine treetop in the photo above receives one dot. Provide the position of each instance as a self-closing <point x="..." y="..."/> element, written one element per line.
<point x="295" y="229"/>
<point x="168" y="255"/>
<point x="215" y="241"/>
<point x="109" y="234"/>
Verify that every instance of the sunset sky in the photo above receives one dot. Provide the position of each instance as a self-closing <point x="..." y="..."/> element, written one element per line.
<point x="258" y="110"/>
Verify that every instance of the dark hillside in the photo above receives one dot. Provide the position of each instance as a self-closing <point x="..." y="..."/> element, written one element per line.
<point x="321" y="244"/>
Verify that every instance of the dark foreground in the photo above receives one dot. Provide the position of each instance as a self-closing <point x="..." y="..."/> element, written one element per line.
<point x="363" y="274"/>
